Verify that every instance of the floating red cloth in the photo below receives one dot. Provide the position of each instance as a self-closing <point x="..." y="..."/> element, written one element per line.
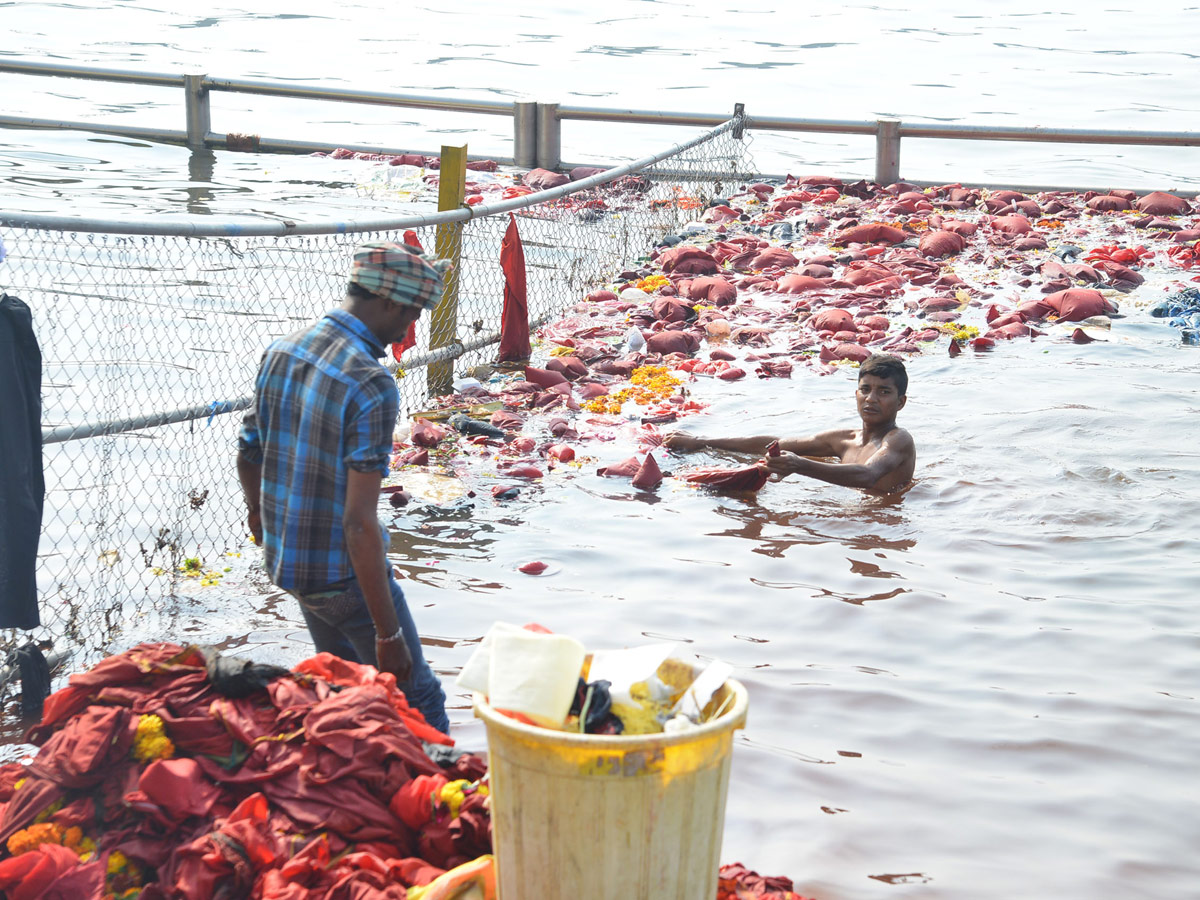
<point x="426" y="433"/>
<point x="1159" y="203"/>
<point x="688" y="261"/>
<point x="874" y="233"/>
<point x="544" y="378"/>
<point x="514" y="319"/>
<point x="625" y="469"/>
<point x="941" y="243"/>
<point x="1077" y="304"/>
<point x="750" y="478"/>
<point x="648" y="474"/>
<point x="831" y="320"/>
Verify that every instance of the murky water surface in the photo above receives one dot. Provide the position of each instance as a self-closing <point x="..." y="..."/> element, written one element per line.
<point x="986" y="688"/>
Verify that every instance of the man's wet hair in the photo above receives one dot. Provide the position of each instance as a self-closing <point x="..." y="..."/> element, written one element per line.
<point x="884" y="365"/>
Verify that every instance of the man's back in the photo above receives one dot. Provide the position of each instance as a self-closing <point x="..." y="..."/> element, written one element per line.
<point x="323" y="404"/>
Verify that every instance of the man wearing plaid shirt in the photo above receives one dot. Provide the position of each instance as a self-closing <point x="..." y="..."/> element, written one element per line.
<point x="312" y="453"/>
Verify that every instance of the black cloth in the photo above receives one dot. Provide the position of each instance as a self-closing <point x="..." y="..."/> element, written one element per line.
<point x="22" y="484"/>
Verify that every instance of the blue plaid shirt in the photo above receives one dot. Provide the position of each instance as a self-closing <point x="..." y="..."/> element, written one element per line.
<point x="323" y="404"/>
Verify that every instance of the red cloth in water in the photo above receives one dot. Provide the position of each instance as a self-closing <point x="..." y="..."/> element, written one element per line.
<point x="832" y="320"/>
<point x="1159" y="203"/>
<point x="544" y="378"/>
<point x="426" y="433"/>
<point x="625" y="469"/>
<point x="798" y="284"/>
<point x="570" y="367"/>
<point x="941" y="243"/>
<point x="1108" y="203"/>
<point x="876" y="232"/>
<point x="712" y="289"/>
<point x="773" y="256"/>
<point x="736" y="882"/>
<point x="749" y="478"/>
<point x="1077" y="304"/>
<point x="665" y="342"/>
<point x="865" y="274"/>
<point x="514" y="319"/>
<point x="845" y="350"/>
<point x="542" y="179"/>
<point x="688" y="261"/>
<point x="507" y="420"/>
<point x="1015" y="224"/>
<point x="648" y="475"/>
<point x="669" y="309"/>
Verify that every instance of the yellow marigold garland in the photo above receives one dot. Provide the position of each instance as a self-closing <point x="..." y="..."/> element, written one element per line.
<point x="648" y="384"/>
<point x="151" y="742"/>
<point x="50" y="833"/>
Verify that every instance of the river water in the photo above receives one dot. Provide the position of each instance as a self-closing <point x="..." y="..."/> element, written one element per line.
<point x="1017" y="64"/>
<point x="986" y="688"/>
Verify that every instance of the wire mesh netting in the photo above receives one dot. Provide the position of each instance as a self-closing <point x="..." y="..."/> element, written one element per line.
<point x="150" y="346"/>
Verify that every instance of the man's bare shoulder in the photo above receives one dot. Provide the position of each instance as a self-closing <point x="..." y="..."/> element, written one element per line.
<point x="834" y="442"/>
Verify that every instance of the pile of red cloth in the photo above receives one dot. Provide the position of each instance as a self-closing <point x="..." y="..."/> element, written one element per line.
<point x="318" y="784"/>
<point x="160" y="777"/>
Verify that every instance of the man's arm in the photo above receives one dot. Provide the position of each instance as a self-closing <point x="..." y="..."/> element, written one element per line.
<point x="365" y="545"/>
<point x="896" y="450"/>
<point x="827" y="443"/>
<point x="250" y="475"/>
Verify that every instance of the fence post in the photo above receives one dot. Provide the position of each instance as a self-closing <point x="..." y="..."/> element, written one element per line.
<point x="887" y="151"/>
<point x="443" y="326"/>
<point x="199" y="116"/>
<point x="549" y="136"/>
<point x="739" y="112"/>
<point x="525" y="134"/>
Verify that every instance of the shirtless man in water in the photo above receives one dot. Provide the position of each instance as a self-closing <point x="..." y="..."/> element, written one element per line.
<point x="879" y="456"/>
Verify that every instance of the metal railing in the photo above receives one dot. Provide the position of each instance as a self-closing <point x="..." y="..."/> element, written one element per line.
<point x="537" y="127"/>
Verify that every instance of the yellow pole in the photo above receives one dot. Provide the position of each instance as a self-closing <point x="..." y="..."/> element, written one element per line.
<point x="443" y="327"/>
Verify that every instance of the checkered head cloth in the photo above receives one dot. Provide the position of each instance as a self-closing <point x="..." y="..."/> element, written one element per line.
<point x="399" y="273"/>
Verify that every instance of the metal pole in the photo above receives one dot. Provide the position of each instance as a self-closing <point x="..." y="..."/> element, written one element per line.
<point x="887" y="151"/>
<point x="525" y="134"/>
<point x="739" y="112"/>
<point x="443" y="326"/>
<point x="199" y="117"/>
<point x="549" y="136"/>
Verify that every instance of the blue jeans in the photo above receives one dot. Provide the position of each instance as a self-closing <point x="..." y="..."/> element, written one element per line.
<point x="340" y="623"/>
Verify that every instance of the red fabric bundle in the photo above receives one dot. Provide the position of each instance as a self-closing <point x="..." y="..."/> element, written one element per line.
<point x="798" y="284"/>
<point x="542" y="179"/>
<point x="1077" y="304"/>
<point x="688" y="261"/>
<point x="665" y="342"/>
<point x="570" y="367"/>
<point x="1159" y="203"/>
<point x="627" y="468"/>
<point x="669" y="309"/>
<point x="648" y="475"/>
<point x="832" y="320"/>
<point x="750" y="478"/>
<point x="426" y="433"/>
<point x="876" y="232"/>
<point x="773" y="256"/>
<point x="544" y="378"/>
<point x="1015" y="224"/>
<point x="712" y="289"/>
<point x="506" y="419"/>
<point x="941" y="243"/>
<point x="1108" y="203"/>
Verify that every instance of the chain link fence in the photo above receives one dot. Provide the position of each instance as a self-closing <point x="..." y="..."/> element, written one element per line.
<point x="151" y="342"/>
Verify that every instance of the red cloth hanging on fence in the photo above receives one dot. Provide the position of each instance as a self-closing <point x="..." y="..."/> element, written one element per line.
<point x="514" y="320"/>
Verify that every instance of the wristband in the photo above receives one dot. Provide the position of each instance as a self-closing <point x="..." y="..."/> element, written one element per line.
<point x="399" y="635"/>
